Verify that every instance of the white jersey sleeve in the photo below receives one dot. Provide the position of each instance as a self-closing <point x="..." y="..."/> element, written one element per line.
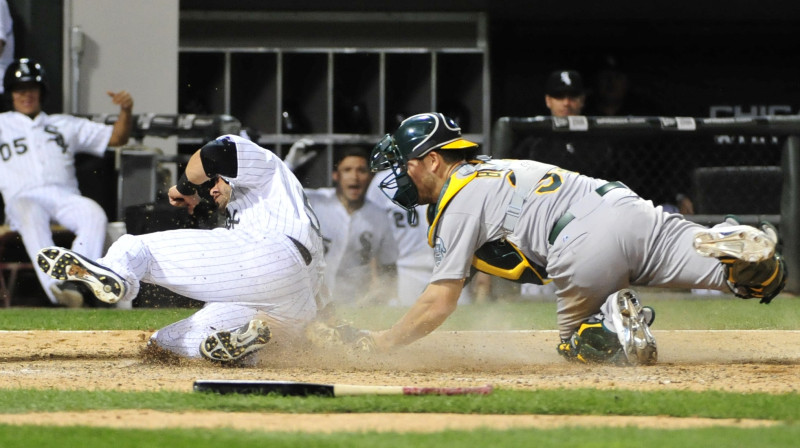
<point x="82" y="135"/>
<point x="267" y="197"/>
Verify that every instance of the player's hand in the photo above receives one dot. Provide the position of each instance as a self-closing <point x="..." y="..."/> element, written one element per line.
<point x="181" y="200"/>
<point x="122" y="99"/>
<point x="299" y="153"/>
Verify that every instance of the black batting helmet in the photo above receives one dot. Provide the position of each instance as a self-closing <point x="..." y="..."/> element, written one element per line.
<point x="25" y="70"/>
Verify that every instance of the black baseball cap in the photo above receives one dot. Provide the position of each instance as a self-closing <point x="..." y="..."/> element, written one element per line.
<point x="562" y="83"/>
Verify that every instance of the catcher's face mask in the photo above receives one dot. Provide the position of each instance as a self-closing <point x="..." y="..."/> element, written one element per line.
<point x="414" y="138"/>
<point x="397" y="185"/>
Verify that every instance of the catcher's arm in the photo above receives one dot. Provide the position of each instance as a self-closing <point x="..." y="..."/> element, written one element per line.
<point x="431" y="309"/>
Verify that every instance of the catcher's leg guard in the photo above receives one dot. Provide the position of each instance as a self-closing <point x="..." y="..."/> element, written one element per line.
<point x="619" y="334"/>
<point x="592" y="343"/>
<point x="753" y="267"/>
<point x="231" y="347"/>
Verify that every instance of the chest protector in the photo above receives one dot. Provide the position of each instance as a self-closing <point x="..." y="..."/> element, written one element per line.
<point x="500" y="257"/>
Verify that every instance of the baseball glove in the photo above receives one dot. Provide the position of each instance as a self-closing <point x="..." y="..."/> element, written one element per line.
<point x="324" y="335"/>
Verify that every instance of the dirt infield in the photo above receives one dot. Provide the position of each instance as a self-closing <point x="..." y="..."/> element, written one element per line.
<point x="740" y="361"/>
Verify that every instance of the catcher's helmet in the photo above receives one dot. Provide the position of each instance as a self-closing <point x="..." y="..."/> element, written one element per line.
<point x="25" y="70"/>
<point x="414" y="138"/>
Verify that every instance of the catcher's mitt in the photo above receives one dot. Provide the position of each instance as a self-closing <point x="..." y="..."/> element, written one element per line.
<point x="323" y="335"/>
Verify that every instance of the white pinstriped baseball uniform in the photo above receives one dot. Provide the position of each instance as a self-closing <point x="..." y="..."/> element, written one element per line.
<point x="250" y="268"/>
<point x="414" y="257"/>
<point x="38" y="182"/>
<point x="351" y="242"/>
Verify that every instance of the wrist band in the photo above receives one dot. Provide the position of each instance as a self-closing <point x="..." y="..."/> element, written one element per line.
<point x="185" y="187"/>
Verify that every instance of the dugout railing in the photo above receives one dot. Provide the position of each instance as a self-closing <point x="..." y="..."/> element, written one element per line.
<point x="748" y="166"/>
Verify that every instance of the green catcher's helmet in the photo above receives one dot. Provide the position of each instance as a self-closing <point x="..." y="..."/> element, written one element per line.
<point x="414" y="138"/>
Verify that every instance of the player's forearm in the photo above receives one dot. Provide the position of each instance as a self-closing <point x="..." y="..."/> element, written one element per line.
<point x="434" y="306"/>
<point x="195" y="172"/>
<point x="122" y="128"/>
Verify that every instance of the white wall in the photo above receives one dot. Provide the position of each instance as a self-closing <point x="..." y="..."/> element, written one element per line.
<point x="130" y="45"/>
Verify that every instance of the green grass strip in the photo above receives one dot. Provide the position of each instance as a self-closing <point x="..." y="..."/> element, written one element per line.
<point x="90" y="318"/>
<point x="711" y="404"/>
<point x="678" y="312"/>
<point x="718" y="437"/>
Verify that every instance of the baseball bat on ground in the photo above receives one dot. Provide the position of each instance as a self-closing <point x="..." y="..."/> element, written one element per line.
<point x="298" y="389"/>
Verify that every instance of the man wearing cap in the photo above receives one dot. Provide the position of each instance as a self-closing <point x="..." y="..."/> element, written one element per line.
<point x="564" y="94"/>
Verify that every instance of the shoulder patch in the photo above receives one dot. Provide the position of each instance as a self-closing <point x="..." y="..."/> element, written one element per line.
<point x="439" y="251"/>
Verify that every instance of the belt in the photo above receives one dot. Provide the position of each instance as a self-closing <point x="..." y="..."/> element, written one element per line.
<point x="568" y="217"/>
<point x="303" y="251"/>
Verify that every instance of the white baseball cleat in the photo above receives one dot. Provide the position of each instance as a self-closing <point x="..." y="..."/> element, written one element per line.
<point x="228" y="346"/>
<point x="631" y="322"/>
<point x="66" y="265"/>
<point x="744" y="243"/>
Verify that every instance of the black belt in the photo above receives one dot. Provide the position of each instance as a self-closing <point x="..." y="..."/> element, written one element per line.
<point x="303" y="251"/>
<point x="568" y="217"/>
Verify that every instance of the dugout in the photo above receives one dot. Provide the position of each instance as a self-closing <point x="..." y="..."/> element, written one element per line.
<point x="749" y="166"/>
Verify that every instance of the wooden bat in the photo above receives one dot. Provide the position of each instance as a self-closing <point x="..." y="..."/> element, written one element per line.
<point x="291" y="388"/>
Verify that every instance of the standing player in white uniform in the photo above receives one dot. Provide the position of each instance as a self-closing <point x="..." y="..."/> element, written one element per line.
<point x="259" y="276"/>
<point x="360" y="252"/>
<point x="37" y="170"/>
<point x="414" y="257"/>
<point x="525" y="220"/>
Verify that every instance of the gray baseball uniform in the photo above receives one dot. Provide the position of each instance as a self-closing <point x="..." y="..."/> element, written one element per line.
<point x="613" y="240"/>
<point x="253" y="268"/>
<point x="38" y="182"/>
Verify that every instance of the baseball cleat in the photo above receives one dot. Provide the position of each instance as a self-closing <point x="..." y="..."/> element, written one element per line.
<point x="66" y="265"/>
<point x="230" y="346"/>
<point x="631" y="322"/>
<point x="744" y="243"/>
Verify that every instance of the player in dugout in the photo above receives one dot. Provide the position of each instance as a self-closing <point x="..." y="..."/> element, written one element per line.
<point x="533" y="222"/>
<point x="37" y="170"/>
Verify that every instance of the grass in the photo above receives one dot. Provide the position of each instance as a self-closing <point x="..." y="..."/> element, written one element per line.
<point x="674" y="312"/>
<point x="716" y="404"/>
<point x="720" y="437"/>
<point x="784" y="408"/>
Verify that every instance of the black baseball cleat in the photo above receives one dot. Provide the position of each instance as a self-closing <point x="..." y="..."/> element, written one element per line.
<point x="231" y="346"/>
<point x="66" y="265"/>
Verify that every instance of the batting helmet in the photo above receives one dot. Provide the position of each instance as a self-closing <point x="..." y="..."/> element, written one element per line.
<point x="414" y="138"/>
<point x="25" y="70"/>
